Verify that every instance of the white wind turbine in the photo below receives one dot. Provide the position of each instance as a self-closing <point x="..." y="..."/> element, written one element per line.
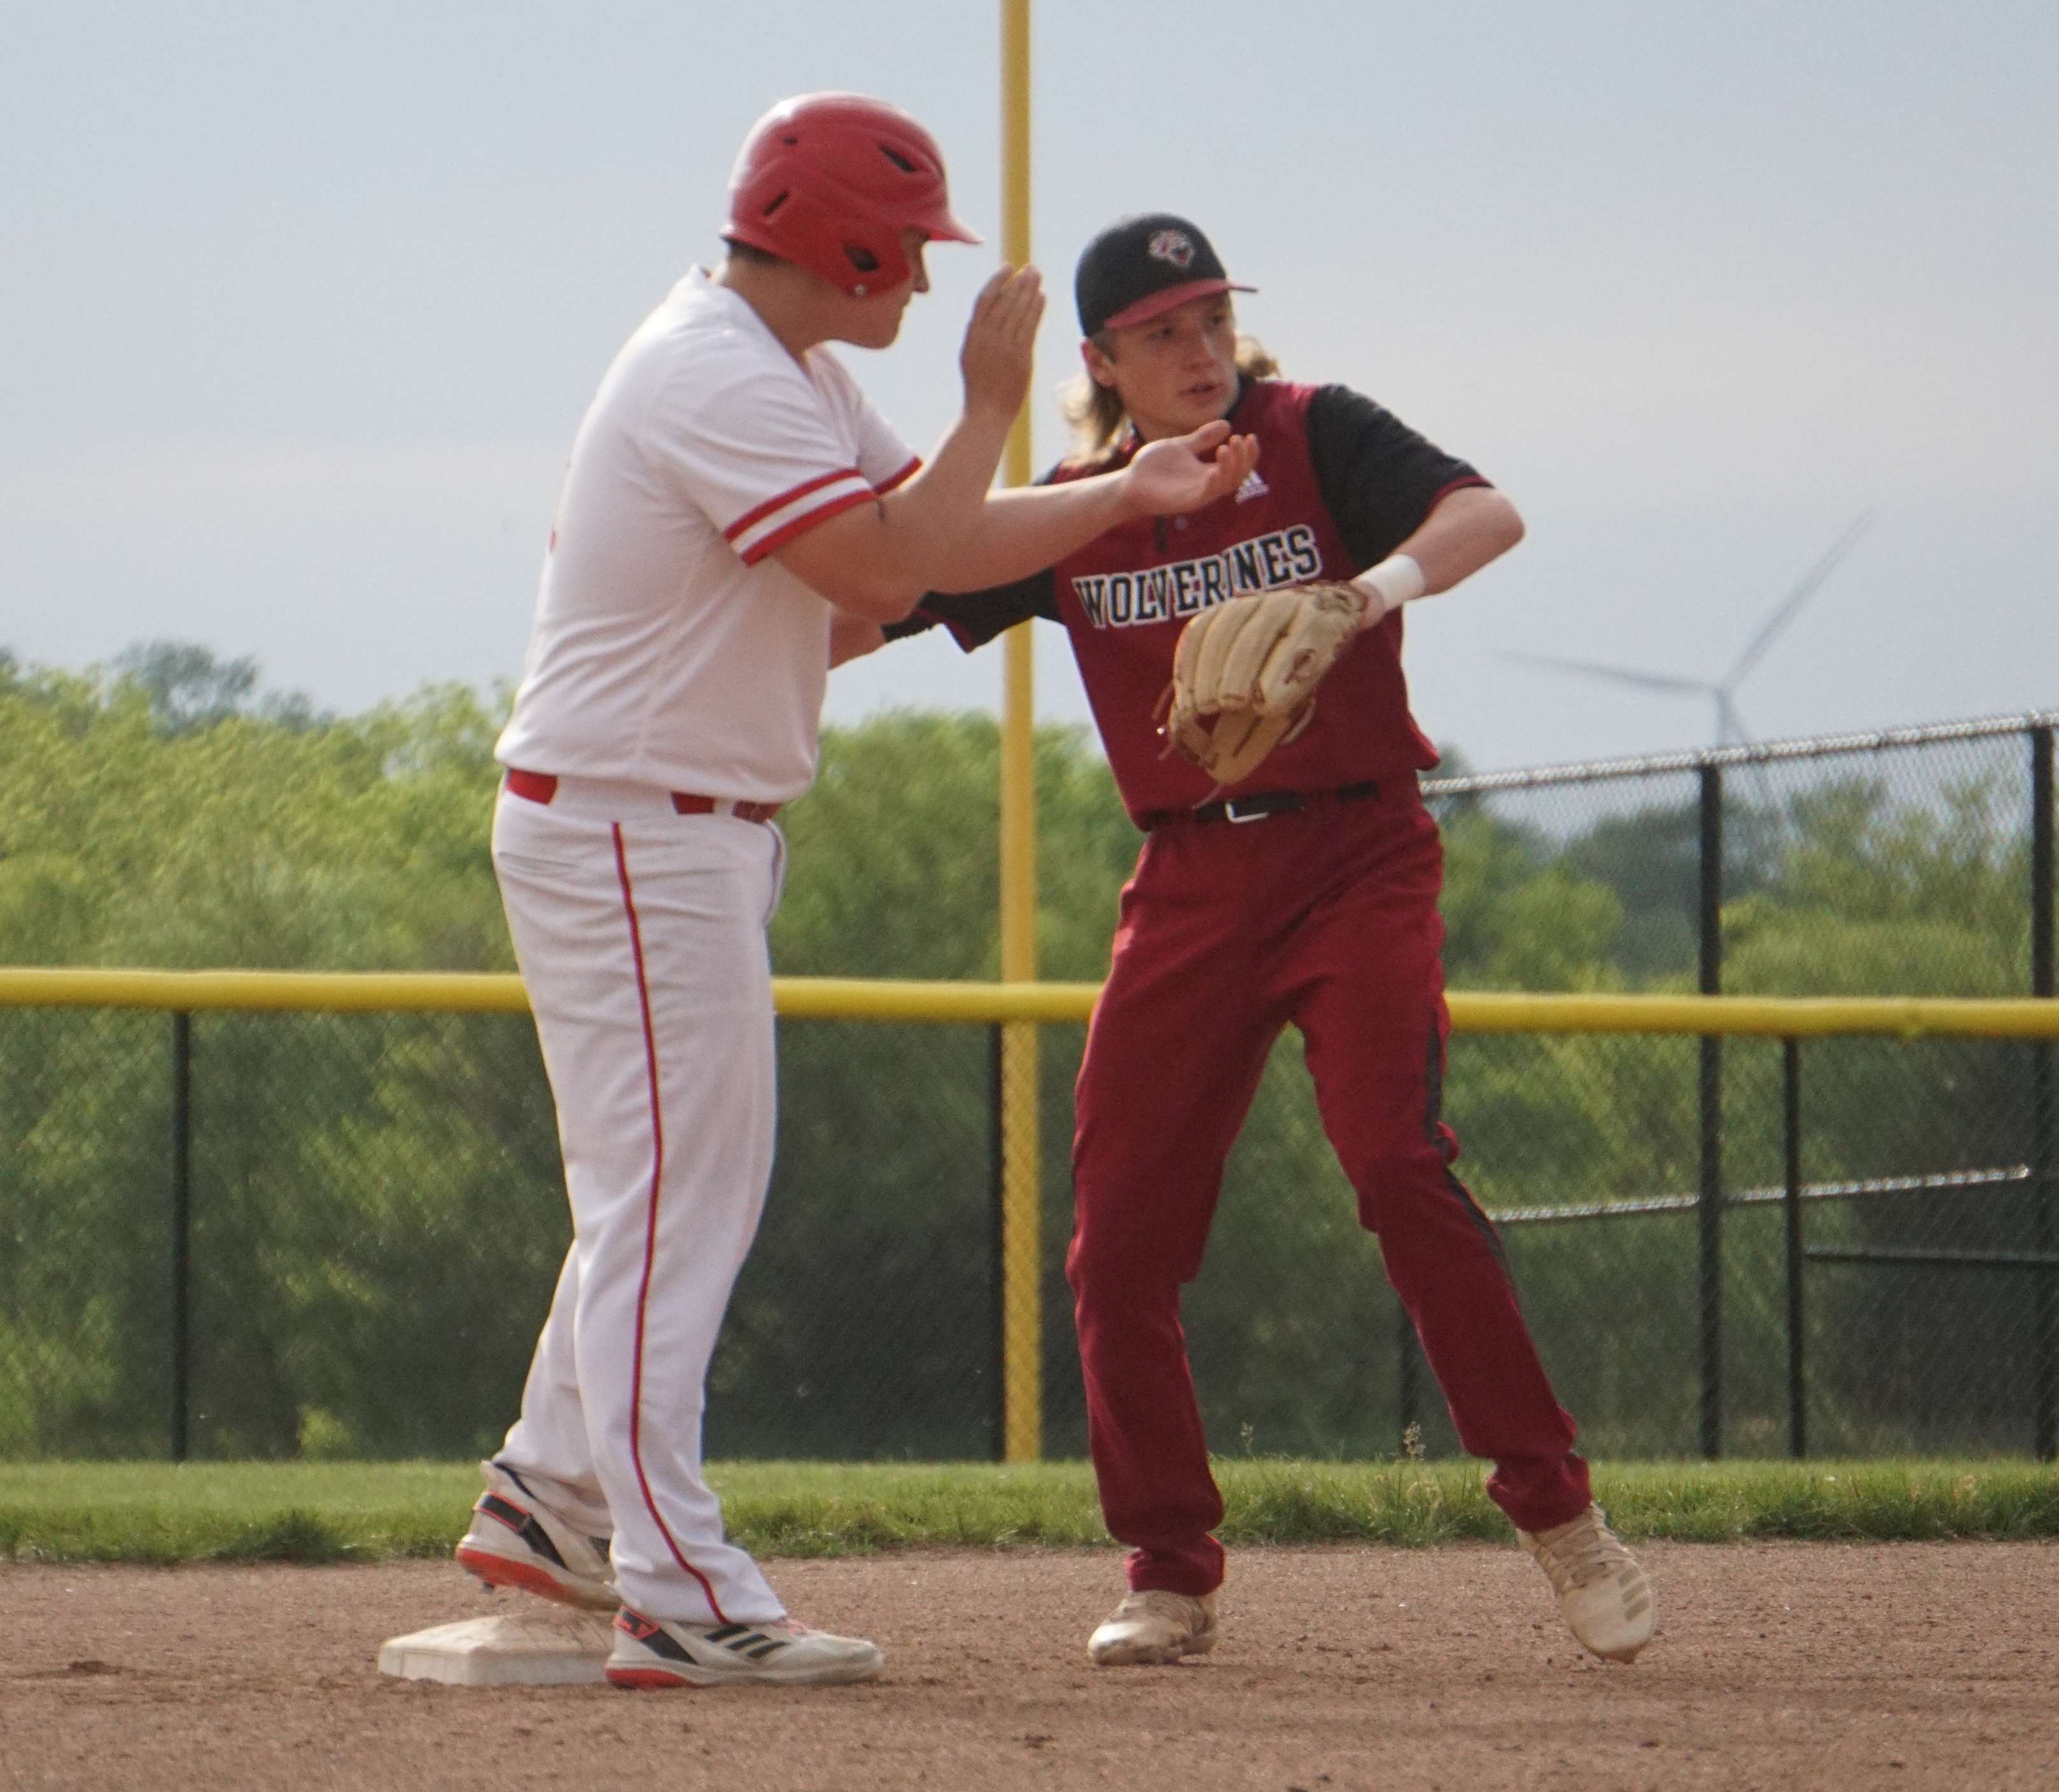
<point x="1730" y="724"/>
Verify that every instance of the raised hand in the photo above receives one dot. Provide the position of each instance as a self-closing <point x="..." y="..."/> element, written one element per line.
<point x="1000" y="342"/>
<point x="1185" y="472"/>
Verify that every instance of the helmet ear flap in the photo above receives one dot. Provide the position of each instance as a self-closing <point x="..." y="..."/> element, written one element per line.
<point x="826" y="234"/>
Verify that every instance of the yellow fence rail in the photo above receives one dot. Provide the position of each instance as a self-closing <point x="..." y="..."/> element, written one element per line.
<point x="852" y="998"/>
<point x="1015" y="1010"/>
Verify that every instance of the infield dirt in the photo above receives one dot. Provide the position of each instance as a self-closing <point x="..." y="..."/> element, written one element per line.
<point x="1342" y="1670"/>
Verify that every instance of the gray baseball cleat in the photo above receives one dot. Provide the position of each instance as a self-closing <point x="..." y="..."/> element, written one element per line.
<point x="1602" y="1587"/>
<point x="1155" y="1627"/>
<point x="652" y="1655"/>
<point x="516" y="1540"/>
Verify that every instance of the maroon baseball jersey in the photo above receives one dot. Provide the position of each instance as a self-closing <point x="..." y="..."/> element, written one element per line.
<point x="1339" y="484"/>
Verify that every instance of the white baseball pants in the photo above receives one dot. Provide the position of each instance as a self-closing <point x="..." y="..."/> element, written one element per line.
<point x="640" y="933"/>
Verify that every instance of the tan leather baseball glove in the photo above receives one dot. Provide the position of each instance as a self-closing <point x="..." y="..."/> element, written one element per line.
<point x="1245" y="672"/>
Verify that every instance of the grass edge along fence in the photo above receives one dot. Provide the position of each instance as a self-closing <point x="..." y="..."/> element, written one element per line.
<point x="168" y="1514"/>
<point x="180" y="995"/>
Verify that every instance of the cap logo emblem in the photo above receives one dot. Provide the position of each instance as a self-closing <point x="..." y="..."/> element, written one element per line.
<point x="1174" y="246"/>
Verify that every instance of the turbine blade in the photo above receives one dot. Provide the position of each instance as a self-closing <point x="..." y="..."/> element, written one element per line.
<point x="1730" y="730"/>
<point x="1620" y="674"/>
<point x="1789" y="606"/>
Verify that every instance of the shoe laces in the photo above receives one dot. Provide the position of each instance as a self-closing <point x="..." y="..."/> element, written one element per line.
<point x="1157" y="1601"/>
<point x="1585" y="1551"/>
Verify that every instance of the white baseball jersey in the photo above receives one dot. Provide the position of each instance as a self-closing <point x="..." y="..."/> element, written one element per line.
<point x="669" y="649"/>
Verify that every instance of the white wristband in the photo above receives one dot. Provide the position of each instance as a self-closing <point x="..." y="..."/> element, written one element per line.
<point x="1393" y="582"/>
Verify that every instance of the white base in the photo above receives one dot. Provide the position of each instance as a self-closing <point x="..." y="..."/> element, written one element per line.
<point x="547" y="1646"/>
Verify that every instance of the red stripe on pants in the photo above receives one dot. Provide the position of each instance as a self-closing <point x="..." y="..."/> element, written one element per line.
<point x="650" y="1229"/>
<point x="1327" y="919"/>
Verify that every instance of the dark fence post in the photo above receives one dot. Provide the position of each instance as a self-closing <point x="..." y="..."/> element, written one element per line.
<point x="182" y="1351"/>
<point x="2044" y="1133"/>
<point x="996" y="1172"/>
<point x="1798" y="1395"/>
<point x="1711" y="1207"/>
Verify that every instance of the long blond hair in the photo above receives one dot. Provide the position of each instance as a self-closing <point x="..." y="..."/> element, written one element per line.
<point x="1095" y="411"/>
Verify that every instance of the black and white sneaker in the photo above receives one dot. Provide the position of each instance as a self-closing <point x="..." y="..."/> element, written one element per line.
<point x="516" y="1540"/>
<point x="655" y="1656"/>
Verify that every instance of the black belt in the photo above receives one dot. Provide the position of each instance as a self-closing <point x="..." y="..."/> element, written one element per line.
<point x="1260" y="806"/>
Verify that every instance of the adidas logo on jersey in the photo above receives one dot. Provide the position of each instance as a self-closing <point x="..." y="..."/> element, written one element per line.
<point x="1253" y="487"/>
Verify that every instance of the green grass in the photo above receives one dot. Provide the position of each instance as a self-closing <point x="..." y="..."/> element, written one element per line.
<point x="156" y="1512"/>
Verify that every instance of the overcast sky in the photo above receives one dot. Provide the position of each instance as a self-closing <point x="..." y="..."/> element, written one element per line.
<point x="300" y="305"/>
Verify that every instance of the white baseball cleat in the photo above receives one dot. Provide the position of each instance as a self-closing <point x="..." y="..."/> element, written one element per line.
<point x="1155" y="1627"/>
<point x="653" y="1655"/>
<point x="516" y="1540"/>
<point x="1602" y="1587"/>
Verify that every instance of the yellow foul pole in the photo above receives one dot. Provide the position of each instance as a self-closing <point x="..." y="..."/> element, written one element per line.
<point x="1021" y="1255"/>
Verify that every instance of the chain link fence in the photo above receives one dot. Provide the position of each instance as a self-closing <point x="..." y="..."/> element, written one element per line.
<point x="1913" y="1265"/>
<point x="265" y="1235"/>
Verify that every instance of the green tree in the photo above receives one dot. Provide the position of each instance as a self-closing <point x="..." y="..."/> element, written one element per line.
<point x="378" y="1214"/>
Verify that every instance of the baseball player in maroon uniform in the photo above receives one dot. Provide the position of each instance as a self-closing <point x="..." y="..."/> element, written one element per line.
<point x="1307" y="895"/>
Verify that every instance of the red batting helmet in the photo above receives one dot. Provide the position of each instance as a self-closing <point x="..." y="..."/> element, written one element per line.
<point x="830" y="181"/>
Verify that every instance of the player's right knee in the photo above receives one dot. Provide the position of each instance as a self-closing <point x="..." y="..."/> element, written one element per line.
<point x="1100" y="1271"/>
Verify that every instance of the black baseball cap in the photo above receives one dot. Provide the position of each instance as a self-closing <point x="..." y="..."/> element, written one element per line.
<point x="1140" y="267"/>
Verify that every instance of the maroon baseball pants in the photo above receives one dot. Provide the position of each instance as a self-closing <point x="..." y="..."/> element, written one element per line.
<point x="1327" y="918"/>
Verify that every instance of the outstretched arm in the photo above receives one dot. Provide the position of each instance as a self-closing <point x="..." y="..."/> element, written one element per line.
<point x="944" y="530"/>
<point x="1467" y="529"/>
<point x="1023" y="531"/>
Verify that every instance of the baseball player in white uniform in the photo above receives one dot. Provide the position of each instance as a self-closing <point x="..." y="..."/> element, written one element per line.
<point x="735" y="519"/>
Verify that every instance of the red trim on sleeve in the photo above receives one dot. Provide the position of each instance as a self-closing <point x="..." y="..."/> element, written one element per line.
<point x="785" y="532"/>
<point x="785" y="498"/>
<point x="901" y="478"/>
<point x="957" y="631"/>
<point x="1458" y="484"/>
